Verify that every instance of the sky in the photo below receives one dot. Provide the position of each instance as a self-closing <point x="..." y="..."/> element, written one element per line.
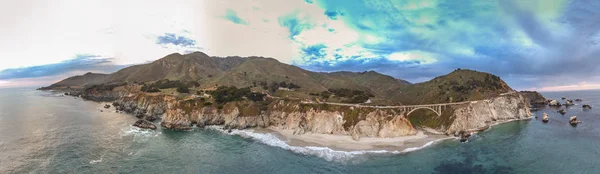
<point x="544" y="45"/>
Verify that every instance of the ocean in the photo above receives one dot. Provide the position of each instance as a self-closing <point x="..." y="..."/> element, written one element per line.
<point x="44" y="132"/>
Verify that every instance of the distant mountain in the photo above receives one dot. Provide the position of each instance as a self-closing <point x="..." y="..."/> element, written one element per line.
<point x="80" y="81"/>
<point x="458" y="86"/>
<point x="190" y="67"/>
<point x="248" y="72"/>
<point x="259" y="72"/>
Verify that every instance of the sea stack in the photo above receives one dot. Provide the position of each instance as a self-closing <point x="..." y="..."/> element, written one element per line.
<point x="144" y="124"/>
<point x="573" y="120"/>
<point x="569" y="103"/>
<point x="545" y="118"/>
<point x="464" y="136"/>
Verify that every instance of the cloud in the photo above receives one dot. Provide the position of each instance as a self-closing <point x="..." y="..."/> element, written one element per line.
<point x="407" y="70"/>
<point x="295" y="24"/>
<point x="232" y="16"/>
<point x="333" y="14"/>
<point x="314" y="52"/>
<point x="575" y="87"/>
<point x="171" y="38"/>
<point x="84" y="63"/>
<point x="528" y="43"/>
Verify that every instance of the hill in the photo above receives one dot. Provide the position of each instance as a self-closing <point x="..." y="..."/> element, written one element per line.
<point x="80" y="81"/>
<point x="267" y="75"/>
<point x="459" y="85"/>
<point x="190" y="67"/>
<point x="259" y="73"/>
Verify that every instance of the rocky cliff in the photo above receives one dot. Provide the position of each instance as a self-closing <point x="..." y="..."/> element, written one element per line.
<point x="534" y="98"/>
<point x="302" y="118"/>
<point x="479" y="115"/>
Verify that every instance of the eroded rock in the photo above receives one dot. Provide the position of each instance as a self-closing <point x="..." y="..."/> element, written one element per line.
<point x="144" y="124"/>
<point x="573" y="120"/>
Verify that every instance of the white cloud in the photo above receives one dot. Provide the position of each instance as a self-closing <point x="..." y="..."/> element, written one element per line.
<point x="416" y="55"/>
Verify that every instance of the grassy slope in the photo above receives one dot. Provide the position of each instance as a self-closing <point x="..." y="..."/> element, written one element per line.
<point x="458" y="86"/>
<point x="82" y="80"/>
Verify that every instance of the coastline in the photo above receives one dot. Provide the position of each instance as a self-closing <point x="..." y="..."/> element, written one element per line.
<point x="346" y="143"/>
<point x="488" y="126"/>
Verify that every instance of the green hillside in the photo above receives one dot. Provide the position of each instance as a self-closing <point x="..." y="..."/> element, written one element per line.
<point x="458" y="86"/>
<point x="268" y="75"/>
<point x="80" y="81"/>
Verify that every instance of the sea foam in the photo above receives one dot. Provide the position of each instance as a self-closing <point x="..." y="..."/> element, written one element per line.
<point x="321" y="152"/>
<point x="138" y="132"/>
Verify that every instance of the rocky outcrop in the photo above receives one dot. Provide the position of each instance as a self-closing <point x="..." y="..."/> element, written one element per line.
<point x="534" y="98"/>
<point x="480" y="114"/>
<point x="569" y="103"/>
<point x="355" y="121"/>
<point x="464" y="136"/>
<point x="545" y="118"/>
<point x="586" y="107"/>
<point x="292" y="115"/>
<point x="573" y="120"/>
<point x="562" y="112"/>
<point x="554" y="103"/>
<point x="146" y="107"/>
<point x="144" y="124"/>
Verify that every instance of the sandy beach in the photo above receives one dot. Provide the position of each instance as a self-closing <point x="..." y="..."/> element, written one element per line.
<point x="346" y="143"/>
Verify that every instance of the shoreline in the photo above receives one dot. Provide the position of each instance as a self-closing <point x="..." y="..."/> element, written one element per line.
<point x="346" y="143"/>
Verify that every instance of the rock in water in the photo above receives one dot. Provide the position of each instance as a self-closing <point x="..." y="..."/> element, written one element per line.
<point x="562" y="111"/>
<point x="545" y="118"/>
<point x="144" y="124"/>
<point x="569" y="103"/>
<point x="587" y="107"/>
<point x="554" y="103"/>
<point x="578" y="100"/>
<point x="464" y="136"/>
<point x="573" y="120"/>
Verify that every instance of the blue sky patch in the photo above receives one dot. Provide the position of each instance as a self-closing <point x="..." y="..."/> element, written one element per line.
<point x="82" y="62"/>
<point x="171" y="38"/>
<point x="232" y="16"/>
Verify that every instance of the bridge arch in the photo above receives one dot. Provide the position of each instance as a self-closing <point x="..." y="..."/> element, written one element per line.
<point x="426" y="108"/>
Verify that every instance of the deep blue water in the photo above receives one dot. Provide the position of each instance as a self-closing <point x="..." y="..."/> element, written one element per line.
<point x="41" y="132"/>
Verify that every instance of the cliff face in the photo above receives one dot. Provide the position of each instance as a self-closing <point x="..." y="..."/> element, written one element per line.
<point x="317" y="118"/>
<point x="292" y="115"/>
<point x="481" y="114"/>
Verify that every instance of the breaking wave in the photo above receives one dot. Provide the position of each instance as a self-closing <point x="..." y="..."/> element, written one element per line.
<point x="321" y="152"/>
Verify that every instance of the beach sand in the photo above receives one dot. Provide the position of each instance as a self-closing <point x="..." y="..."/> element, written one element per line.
<point x="346" y="143"/>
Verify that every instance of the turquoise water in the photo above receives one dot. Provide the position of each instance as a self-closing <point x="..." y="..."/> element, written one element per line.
<point x="41" y="132"/>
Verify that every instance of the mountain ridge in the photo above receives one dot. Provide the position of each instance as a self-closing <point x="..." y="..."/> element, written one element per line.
<point x="257" y="72"/>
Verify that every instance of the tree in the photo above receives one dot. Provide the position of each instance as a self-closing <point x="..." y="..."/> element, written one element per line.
<point x="182" y="89"/>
